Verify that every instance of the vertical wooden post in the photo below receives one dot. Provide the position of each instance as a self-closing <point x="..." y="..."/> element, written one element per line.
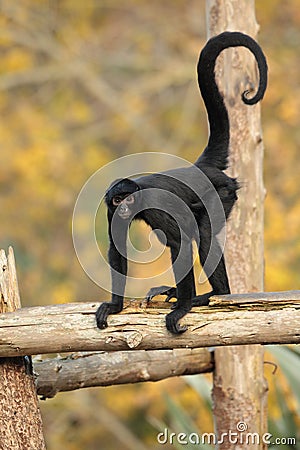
<point x="20" y="419"/>
<point x="239" y="391"/>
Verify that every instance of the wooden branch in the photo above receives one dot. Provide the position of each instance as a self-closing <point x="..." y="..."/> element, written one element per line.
<point x="105" y="369"/>
<point x="268" y="318"/>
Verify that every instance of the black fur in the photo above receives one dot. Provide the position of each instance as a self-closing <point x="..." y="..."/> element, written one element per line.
<point x="181" y="223"/>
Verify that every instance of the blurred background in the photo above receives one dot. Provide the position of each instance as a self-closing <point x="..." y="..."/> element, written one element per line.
<point x="83" y="83"/>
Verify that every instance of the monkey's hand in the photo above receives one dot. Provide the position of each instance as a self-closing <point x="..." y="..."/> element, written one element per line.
<point x="172" y="321"/>
<point x="104" y="310"/>
<point x="169" y="291"/>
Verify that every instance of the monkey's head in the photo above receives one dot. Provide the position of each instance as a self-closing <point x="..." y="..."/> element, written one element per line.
<point x="121" y="197"/>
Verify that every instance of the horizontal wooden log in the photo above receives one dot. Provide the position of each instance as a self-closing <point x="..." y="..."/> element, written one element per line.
<point x="268" y="318"/>
<point x="86" y="369"/>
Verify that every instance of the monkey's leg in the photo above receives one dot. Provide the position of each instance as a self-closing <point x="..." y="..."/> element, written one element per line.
<point x="184" y="276"/>
<point x="214" y="267"/>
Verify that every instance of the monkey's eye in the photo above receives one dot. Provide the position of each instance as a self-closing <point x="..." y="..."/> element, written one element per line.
<point x="130" y="199"/>
<point x="116" y="201"/>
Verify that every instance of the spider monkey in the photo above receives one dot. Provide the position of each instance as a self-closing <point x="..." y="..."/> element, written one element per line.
<point x="167" y="202"/>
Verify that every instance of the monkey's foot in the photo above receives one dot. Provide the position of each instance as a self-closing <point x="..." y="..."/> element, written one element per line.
<point x="201" y="300"/>
<point x="104" y="310"/>
<point x="172" y="321"/>
<point x="169" y="291"/>
<point x="101" y="315"/>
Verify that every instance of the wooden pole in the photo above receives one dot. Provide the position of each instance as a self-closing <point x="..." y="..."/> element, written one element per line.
<point x="20" y="419"/>
<point x="229" y="320"/>
<point x="88" y="369"/>
<point x="239" y="390"/>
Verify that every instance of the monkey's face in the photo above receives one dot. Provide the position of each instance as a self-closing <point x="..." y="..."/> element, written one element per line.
<point x="122" y="197"/>
<point x="124" y="205"/>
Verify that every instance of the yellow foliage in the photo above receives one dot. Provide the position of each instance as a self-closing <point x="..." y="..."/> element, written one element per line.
<point x="17" y="60"/>
<point x="62" y="293"/>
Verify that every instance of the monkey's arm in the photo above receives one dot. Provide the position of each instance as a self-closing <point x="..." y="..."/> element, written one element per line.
<point x="118" y="263"/>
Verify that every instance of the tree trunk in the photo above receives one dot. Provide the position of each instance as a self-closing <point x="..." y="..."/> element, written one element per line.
<point x="20" y="420"/>
<point x="239" y="391"/>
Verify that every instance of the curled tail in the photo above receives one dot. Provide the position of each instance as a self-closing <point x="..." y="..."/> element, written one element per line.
<point x="216" y="152"/>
